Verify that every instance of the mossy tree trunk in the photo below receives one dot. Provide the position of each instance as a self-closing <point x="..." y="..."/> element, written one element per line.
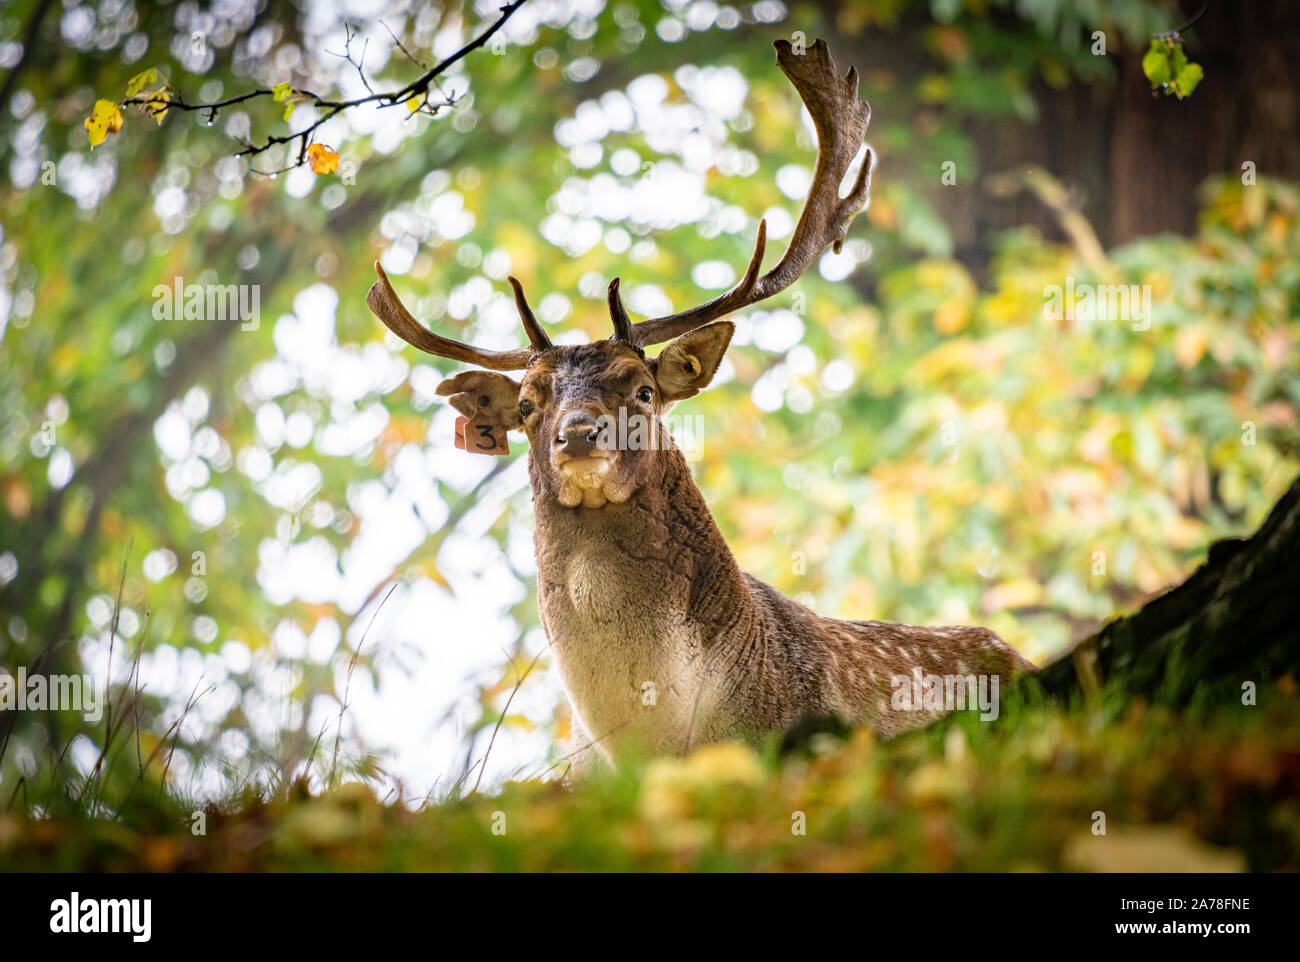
<point x="1235" y="620"/>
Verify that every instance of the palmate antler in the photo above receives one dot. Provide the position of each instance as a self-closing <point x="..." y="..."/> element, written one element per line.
<point x="841" y="123"/>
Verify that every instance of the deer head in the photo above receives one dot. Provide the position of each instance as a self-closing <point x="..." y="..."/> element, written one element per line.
<point x="569" y="396"/>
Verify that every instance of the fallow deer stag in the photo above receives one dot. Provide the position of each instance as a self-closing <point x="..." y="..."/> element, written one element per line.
<point x="637" y="587"/>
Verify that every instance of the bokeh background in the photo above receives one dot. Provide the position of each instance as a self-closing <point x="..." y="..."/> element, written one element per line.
<point x="903" y="435"/>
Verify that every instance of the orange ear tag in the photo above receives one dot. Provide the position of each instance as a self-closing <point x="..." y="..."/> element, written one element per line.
<point x="481" y="438"/>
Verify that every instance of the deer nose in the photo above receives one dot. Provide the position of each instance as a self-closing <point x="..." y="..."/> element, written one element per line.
<point x="578" y="435"/>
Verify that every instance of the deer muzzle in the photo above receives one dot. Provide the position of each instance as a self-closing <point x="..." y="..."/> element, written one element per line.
<point x="585" y="464"/>
<point x="578" y="437"/>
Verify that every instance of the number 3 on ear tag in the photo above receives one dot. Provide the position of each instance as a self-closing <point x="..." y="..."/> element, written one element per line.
<point x="478" y="438"/>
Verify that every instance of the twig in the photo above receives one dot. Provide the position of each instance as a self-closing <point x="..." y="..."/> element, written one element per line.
<point x="112" y="635"/>
<point x="505" y="711"/>
<point x="578" y="751"/>
<point x="189" y="705"/>
<point x="58" y="763"/>
<point x="139" y="650"/>
<point x="347" y="687"/>
<point x="464" y="777"/>
<point x="402" y="47"/>
<point x="311" y="756"/>
<point x="174" y="726"/>
<point x="109" y="730"/>
<point x="1177" y="30"/>
<point x="174" y="100"/>
<point x="22" y="784"/>
<point x="347" y="55"/>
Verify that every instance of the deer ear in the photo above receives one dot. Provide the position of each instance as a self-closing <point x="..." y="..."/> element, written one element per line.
<point x="688" y="364"/>
<point x="484" y="395"/>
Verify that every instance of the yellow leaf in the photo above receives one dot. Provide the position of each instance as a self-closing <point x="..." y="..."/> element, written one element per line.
<point x="934" y="782"/>
<point x="65" y="358"/>
<point x="322" y="159"/>
<point x="158" y="104"/>
<point x="415" y="103"/>
<point x="1190" y="344"/>
<point x="731" y="762"/>
<point x="1012" y="594"/>
<point x="951" y="316"/>
<point x="670" y="786"/>
<point x="430" y="570"/>
<point x="934" y="89"/>
<point x="105" y="119"/>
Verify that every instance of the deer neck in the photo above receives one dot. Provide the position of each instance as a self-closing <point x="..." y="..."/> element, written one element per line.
<point x="637" y="596"/>
<point x="662" y="542"/>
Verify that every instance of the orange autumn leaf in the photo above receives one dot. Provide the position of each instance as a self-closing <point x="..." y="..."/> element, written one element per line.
<point x="17" y="496"/>
<point x="322" y="159"/>
<point x="951" y="316"/>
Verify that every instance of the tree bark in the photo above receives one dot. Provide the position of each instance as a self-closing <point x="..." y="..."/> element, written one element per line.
<point x="1235" y="620"/>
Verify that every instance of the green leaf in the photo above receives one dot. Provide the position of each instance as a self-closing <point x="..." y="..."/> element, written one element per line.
<point x="1155" y="64"/>
<point x="282" y="91"/>
<point x="1167" y="67"/>
<point x="145" y="78"/>
<point x="1178" y="58"/>
<point x="1188" y="79"/>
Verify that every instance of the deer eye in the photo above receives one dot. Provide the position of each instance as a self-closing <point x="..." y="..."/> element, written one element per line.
<point x="525" y="407"/>
<point x="645" y="395"/>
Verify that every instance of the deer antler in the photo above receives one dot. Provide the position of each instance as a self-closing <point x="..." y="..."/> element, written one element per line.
<point x="618" y="314"/>
<point x="388" y="307"/>
<point x="841" y="122"/>
<point x="536" y="336"/>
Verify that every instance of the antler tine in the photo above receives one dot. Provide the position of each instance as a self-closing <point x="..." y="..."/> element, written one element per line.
<point x="383" y="300"/>
<point x="536" y="336"/>
<point x="618" y="313"/>
<point x="665" y="328"/>
<point x="841" y="122"/>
